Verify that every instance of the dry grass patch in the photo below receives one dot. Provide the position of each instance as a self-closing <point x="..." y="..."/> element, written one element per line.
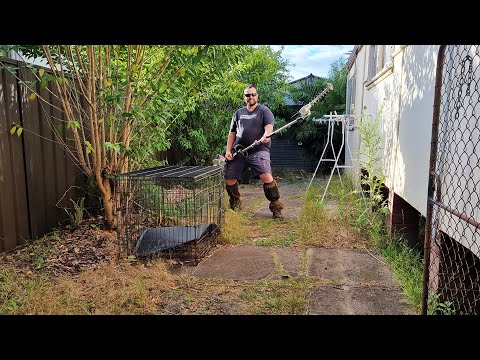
<point x="119" y="289"/>
<point x="194" y="296"/>
<point x="110" y="289"/>
<point x="75" y="272"/>
<point x="228" y="297"/>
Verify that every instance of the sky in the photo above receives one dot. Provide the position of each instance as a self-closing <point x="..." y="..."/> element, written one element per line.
<point x="311" y="59"/>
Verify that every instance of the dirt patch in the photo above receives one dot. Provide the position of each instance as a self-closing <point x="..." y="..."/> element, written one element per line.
<point x="69" y="251"/>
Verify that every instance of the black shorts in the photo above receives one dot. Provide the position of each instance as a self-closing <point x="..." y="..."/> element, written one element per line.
<point x="258" y="161"/>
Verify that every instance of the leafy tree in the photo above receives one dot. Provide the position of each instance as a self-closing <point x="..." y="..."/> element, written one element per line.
<point x="311" y="134"/>
<point x="371" y="159"/>
<point x="204" y="131"/>
<point x="119" y="102"/>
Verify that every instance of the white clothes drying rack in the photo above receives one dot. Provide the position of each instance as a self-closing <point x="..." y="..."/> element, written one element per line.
<point x="346" y="121"/>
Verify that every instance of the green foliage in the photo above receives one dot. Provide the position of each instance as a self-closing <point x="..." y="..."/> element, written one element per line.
<point x="170" y="96"/>
<point x="30" y="51"/>
<point x="173" y="113"/>
<point x="436" y="307"/>
<point x="143" y="94"/>
<point x="407" y="264"/>
<point x="182" y="92"/>
<point x="369" y="215"/>
<point x="202" y="133"/>
<point x="371" y="159"/>
<point x="148" y="196"/>
<point x="16" y="128"/>
<point x="334" y="100"/>
<point x="352" y="209"/>
<point x="76" y="215"/>
<point x="314" y="135"/>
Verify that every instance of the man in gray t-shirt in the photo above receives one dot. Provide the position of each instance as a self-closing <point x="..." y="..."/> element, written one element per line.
<point x="249" y="124"/>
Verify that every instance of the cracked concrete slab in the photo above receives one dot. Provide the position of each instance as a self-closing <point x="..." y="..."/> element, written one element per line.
<point x="350" y="266"/>
<point x="290" y="260"/>
<point x="247" y="262"/>
<point x="347" y="281"/>
<point x="354" y="300"/>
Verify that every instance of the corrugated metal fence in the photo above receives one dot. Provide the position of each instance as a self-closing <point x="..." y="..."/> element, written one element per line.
<point x="289" y="154"/>
<point x="37" y="178"/>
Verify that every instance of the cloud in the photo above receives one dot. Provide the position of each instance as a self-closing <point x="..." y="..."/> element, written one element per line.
<point x="311" y="59"/>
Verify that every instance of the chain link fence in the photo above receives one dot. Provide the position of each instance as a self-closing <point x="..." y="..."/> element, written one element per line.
<point x="452" y="233"/>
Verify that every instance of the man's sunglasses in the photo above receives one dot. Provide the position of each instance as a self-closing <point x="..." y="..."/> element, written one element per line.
<point x="248" y="95"/>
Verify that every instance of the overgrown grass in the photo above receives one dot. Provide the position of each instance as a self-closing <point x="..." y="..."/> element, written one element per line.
<point x="241" y="228"/>
<point x="237" y="229"/>
<point x="18" y="290"/>
<point x="405" y="261"/>
<point x="278" y="297"/>
<point x="407" y="264"/>
<point x="313" y="229"/>
<point x="319" y="223"/>
<point x="291" y="175"/>
<point x="151" y="288"/>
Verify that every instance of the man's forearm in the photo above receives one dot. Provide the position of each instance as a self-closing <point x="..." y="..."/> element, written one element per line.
<point x="268" y="131"/>
<point x="230" y="141"/>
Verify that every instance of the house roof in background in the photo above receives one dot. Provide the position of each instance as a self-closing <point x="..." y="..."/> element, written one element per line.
<point x="305" y="79"/>
<point x="297" y="83"/>
<point x="353" y="56"/>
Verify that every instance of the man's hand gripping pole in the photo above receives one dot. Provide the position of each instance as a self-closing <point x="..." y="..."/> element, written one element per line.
<point x="301" y="115"/>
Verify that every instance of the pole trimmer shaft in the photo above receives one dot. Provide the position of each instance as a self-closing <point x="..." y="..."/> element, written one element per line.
<point x="300" y="115"/>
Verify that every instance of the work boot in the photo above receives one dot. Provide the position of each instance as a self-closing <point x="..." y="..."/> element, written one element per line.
<point x="272" y="194"/>
<point x="277" y="214"/>
<point x="234" y="196"/>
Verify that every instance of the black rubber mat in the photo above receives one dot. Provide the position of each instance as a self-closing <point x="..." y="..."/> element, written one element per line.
<point x="154" y="240"/>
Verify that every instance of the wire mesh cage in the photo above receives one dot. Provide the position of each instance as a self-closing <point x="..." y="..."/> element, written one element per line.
<point x="452" y="232"/>
<point x="170" y="211"/>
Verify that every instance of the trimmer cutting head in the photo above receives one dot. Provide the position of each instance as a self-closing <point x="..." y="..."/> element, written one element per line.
<point x="238" y="149"/>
